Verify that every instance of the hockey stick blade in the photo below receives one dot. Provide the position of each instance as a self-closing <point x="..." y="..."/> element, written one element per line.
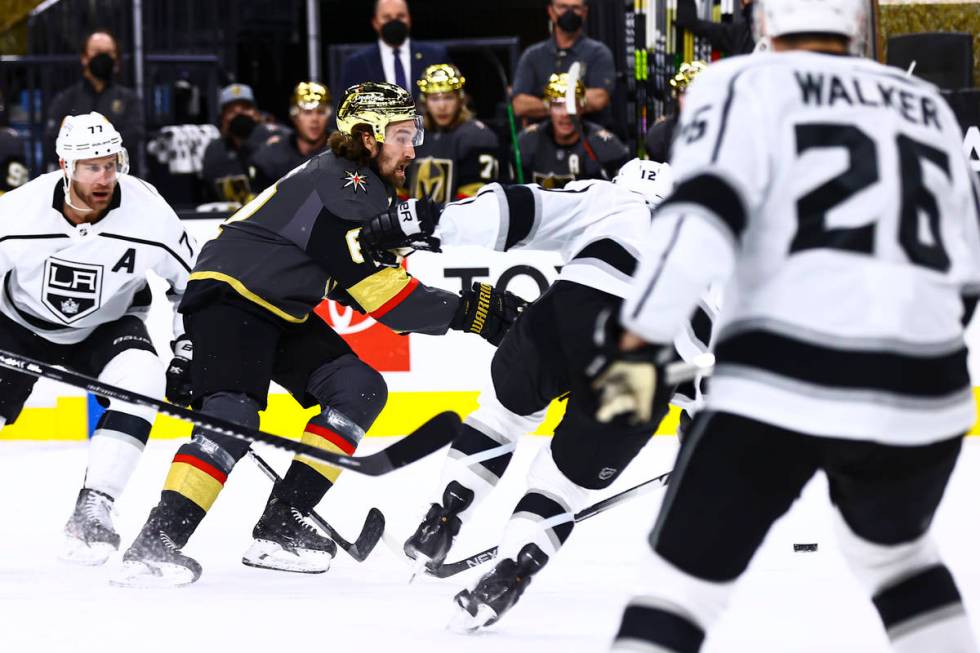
<point x="428" y="438"/>
<point x="452" y="568"/>
<point x="367" y="539"/>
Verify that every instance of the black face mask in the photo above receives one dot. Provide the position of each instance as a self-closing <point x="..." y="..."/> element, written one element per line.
<point x="394" y="32"/>
<point x="101" y="66"/>
<point x="570" y="22"/>
<point x="242" y="126"/>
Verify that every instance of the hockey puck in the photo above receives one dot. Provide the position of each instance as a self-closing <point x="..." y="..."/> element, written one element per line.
<point x="804" y="548"/>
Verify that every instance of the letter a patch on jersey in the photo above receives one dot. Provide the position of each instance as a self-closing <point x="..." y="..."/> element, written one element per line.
<point x="71" y="290"/>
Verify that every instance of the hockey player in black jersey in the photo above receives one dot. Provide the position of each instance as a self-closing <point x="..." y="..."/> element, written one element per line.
<point x="459" y="155"/>
<point x="309" y="109"/>
<point x="560" y="150"/>
<point x="831" y="196"/>
<point x="248" y="309"/>
<point x="597" y="227"/>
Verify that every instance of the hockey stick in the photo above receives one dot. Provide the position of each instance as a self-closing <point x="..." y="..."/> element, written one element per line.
<point x="428" y="438"/>
<point x="370" y="533"/>
<point x="452" y="568"/>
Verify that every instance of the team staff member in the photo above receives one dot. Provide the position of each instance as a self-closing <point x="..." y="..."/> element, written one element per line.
<point x="554" y="153"/>
<point x="310" y="110"/>
<point x="253" y="290"/>
<point x="460" y="154"/>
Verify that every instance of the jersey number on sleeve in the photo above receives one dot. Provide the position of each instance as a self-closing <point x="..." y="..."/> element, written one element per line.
<point x="862" y="172"/>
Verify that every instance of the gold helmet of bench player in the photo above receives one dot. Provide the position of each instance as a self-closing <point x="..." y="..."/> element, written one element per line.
<point x="377" y="104"/>
<point x="685" y="75"/>
<point x="557" y="89"/>
<point x="308" y="96"/>
<point x="441" y="78"/>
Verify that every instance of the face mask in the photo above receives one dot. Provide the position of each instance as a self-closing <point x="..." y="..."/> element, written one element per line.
<point x="569" y="22"/>
<point x="241" y="126"/>
<point x="101" y="66"/>
<point x="394" y="32"/>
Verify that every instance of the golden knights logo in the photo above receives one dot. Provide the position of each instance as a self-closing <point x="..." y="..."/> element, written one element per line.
<point x="356" y="180"/>
<point x="434" y="179"/>
<point x="71" y="290"/>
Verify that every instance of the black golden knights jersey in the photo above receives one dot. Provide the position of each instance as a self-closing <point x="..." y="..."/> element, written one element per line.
<point x="274" y="160"/>
<point x="297" y="241"/>
<point x="552" y="166"/>
<point x="453" y="165"/>
<point x="62" y="280"/>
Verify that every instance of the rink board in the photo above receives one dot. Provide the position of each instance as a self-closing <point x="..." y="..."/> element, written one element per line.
<point x="425" y="374"/>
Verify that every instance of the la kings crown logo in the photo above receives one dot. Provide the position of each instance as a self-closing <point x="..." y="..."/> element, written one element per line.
<point x="71" y="290"/>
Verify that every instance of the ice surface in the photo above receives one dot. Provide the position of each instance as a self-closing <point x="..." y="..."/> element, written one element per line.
<point x="788" y="602"/>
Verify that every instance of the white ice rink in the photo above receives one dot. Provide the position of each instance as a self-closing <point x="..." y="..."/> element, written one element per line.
<point x="788" y="602"/>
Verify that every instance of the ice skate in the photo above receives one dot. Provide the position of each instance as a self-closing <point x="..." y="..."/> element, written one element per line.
<point x="496" y="592"/>
<point x="287" y="541"/>
<point x="432" y="540"/>
<point x="90" y="537"/>
<point x="154" y="559"/>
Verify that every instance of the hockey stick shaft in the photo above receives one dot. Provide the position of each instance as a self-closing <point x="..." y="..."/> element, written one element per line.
<point x="438" y="432"/>
<point x="452" y="568"/>
<point x="370" y="533"/>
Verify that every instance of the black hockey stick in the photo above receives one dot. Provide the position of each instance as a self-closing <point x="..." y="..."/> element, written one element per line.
<point x="360" y="549"/>
<point x="448" y="569"/>
<point x="428" y="438"/>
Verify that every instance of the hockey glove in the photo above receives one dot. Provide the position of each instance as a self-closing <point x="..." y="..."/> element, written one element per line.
<point x="627" y="385"/>
<point x="408" y="224"/>
<point x="487" y="312"/>
<point x="179" y="372"/>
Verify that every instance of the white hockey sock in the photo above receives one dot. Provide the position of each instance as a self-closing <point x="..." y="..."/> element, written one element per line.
<point x="947" y="630"/>
<point x="114" y="452"/>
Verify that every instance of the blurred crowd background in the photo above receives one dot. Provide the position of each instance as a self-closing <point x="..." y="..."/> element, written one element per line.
<point x="216" y="99"/>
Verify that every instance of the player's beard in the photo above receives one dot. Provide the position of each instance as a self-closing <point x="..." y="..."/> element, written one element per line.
<point x="97" y="198"/>
<point x="392" y="168"/>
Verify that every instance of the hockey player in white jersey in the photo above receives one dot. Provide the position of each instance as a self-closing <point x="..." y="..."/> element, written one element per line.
<point x="598" y="227"/>
<point x="833" y="196"/>
<point x="75" y="247"/>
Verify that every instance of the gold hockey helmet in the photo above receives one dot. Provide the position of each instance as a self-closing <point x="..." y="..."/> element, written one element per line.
<point x="377" y="104"/>
<point x="686" y="74"/>
<point x="441" y="78"/>
<point x="558" y="86"/>
<point x="309" y="95"/>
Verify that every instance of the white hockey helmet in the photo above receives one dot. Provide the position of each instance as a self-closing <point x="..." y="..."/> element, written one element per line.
<point x="88" y="136"/>
<point x="653" y="180"/>
<point x="775" y="18"/>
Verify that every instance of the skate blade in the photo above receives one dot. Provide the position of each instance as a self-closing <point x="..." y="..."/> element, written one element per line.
<point x="463" y="622"/>
<point x="264" y="554"/>
<point x="419" y="565"/>
<point x="78" y="552"/>
<point x="150" y="576"/>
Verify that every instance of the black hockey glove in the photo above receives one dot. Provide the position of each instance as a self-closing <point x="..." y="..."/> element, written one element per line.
<point x="627" y="385"/>
<point x="408" y="224"/>
<point x="179" y="372"/>
<point x="487" y="312"/>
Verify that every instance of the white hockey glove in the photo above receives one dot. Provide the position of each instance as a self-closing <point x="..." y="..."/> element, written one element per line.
<point x="179" y="372"/>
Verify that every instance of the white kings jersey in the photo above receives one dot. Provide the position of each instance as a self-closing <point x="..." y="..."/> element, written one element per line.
<point x="833" y="196"/>
<point x="598" y="228"/>
<point x="61" y="281"/>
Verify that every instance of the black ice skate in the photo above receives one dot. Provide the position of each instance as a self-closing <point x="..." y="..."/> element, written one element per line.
<point x="89" y="535"/>
<point x="154" y="559"/>
<point x="434" y="537"/>
<point x="286" y="540"/>
<point x="498" y="591"/>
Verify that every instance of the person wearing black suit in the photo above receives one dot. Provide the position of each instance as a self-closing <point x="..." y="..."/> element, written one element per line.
<point x="395" y="58"/>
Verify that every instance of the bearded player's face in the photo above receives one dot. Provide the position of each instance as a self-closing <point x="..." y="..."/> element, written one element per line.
<point x="397" y="151"/>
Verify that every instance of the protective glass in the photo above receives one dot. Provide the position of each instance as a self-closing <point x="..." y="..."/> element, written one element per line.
<point x="405" y="132"/>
